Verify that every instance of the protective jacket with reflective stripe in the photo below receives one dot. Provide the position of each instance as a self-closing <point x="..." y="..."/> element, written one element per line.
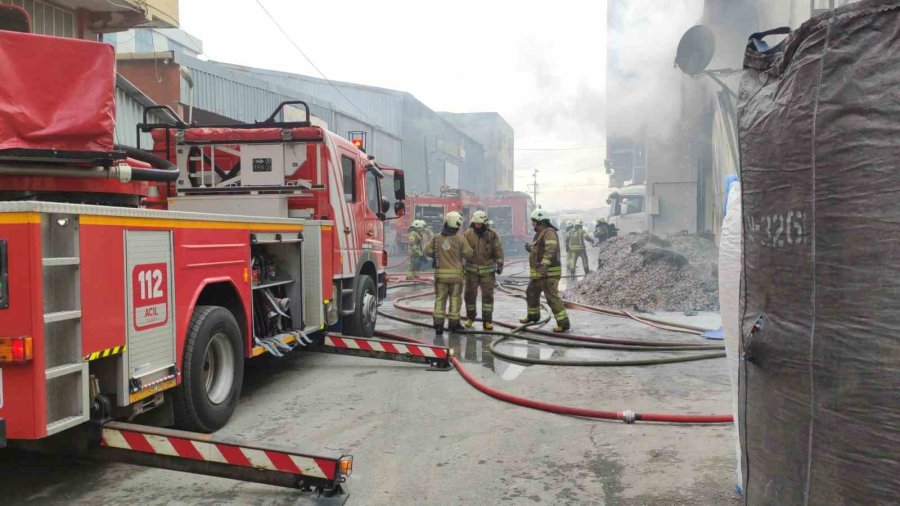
<point x="415" y="242"/>
<point x="487" y="252"/>
<point x="545" y="252"/>
<point x="448" y="252"/>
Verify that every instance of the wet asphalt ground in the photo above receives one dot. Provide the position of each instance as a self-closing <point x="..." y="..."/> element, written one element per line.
<point x="421" y="437"/>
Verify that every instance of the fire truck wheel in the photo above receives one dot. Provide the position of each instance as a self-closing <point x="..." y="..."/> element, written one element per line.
<point x="362" y="322"/>
<point x="213" y="371"/>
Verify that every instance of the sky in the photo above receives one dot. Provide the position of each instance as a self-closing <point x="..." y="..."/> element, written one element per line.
<point x="540" y="65"/>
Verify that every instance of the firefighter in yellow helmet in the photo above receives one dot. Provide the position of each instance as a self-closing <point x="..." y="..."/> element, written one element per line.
<point x="448" y="249"/>
<point x="546" y="270"/>
<point x="482" y="269"/>
<point x="415" y="243"/>
<point x="575" y="249"/>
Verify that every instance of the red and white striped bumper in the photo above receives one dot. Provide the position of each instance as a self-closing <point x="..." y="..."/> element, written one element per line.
<point x="436" y="356"/>
<point x="310" y="469"/>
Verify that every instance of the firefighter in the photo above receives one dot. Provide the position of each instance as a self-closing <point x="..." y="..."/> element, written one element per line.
<point x="427" y="233"/>
<point x="415" y="242"/>
<point x="575" y="248"/>
<point x="481" y="271"/>
<point x="601" y="231"/>
<point x="546" y="270"/>
<point x="448" y="249"/>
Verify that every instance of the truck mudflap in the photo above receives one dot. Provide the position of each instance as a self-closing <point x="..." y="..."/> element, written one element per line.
<point x="211" y="455"/>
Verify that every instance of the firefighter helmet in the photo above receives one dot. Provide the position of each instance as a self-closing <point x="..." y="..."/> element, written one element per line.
<point x="601" y="220"/>
<point x="540" y="215"/>
<point x="453" y="219"/>
<point x="579" y="223"/>
<point x="479" y="217"/>
<point x="420" y="224"/>
<point x="490" y="224"/>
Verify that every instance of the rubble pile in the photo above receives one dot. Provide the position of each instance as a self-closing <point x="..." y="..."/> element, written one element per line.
<point x="644" y="272"/>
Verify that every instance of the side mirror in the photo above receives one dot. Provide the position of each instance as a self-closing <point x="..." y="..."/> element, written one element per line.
<point x="399" y="186"/>
<point x="399" y="208"/>
<point x="385" y="205"/>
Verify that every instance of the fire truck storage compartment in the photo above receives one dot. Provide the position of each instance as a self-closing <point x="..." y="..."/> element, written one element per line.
<point x="433" y="215"/>
<point x="149" y="297"/>
<point x="72" y="110"/>
<point x="502" y="218"/>
<point x="238" y="165"/>
<point x="286" y="279"/>
<point x="65" y="373"/>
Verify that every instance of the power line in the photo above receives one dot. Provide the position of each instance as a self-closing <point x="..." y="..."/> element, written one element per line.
<point x="571" y="148"/>
<point x="309" y="60"/>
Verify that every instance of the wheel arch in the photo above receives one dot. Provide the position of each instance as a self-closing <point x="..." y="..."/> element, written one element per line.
<point x="223" y="292"/>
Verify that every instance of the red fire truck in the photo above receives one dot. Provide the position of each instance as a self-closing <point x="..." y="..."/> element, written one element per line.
<point x="272" y="236"/>
<point x="511" y="212"/>
<point x="432" y="209"/>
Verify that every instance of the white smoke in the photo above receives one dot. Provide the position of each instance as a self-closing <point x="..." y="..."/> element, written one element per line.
<point x="643" y="94"/>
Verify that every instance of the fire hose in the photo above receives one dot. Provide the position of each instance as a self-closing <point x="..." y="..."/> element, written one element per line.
<point x="628" y="416"/>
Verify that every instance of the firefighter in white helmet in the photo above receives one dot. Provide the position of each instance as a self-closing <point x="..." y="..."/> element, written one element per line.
<point x="482" y="269"/>
<point x="546" y="270"/>
<point x="415" y="243"/>
<point x="448" y="249"/>
<point x="575" y="248"/>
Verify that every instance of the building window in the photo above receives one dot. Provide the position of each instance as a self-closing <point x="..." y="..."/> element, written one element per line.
<point x="372" y="192"/>
<point x="46" y="19"/>
<point x="348" y="169"/>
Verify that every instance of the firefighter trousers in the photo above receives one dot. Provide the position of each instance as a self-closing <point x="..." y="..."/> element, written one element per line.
<point x="414" y="265"/>
<point x="444" y="291"/>
<point x="486" y="283"/>
<point x="572" y="257"/>
<point x="550" y="288"/>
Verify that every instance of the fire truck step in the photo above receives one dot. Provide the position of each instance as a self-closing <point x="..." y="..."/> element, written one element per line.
<point x="437" y="357"/>
<point x="212" y="455"/>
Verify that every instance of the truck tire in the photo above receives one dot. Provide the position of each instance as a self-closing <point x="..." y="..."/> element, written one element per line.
<point x="212" y="373"/>
<point x="362" y="322"/>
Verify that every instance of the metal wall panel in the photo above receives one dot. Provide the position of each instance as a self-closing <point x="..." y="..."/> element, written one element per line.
<point x="129" y="112"/>
<point x="47" y="19"/>
<point x="373" y="105"/>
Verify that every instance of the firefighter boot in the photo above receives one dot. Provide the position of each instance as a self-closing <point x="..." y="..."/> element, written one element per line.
<point x="454" y="326"/>
<point x="529" y="319"/>
<point x="469" y="322"/>
<point x="487" y="325"/>
<point x="562" y="326"/>
<point x="438" y="329"/>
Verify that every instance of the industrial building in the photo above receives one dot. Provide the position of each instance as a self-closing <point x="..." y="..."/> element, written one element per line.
<point x="684" y="165"/>
<point x="498" y="138"/>
<point x="399" y="130"/>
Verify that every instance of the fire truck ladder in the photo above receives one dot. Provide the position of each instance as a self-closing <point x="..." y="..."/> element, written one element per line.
<point x="437" y="358"/>
<point x="212" y="455"/>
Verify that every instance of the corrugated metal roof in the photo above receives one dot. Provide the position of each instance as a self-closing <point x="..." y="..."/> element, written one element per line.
<point x="378" y="105"/>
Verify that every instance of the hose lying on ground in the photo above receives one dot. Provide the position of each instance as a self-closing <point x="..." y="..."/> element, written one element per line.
<point x="398" y="303"/>
<point x="627" y="416"/>
<point x="653" y="322"/>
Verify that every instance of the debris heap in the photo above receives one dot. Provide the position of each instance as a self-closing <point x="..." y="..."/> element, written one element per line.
<point x="644" y="272"/>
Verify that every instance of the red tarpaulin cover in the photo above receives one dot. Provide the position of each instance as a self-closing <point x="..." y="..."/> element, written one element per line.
<point x="56" y="93"/>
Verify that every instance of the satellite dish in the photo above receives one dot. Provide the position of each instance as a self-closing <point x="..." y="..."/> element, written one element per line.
<point x="696" y="50"/>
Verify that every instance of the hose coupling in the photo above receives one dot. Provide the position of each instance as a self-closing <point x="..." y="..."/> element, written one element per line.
<point x="629" y="416"/>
